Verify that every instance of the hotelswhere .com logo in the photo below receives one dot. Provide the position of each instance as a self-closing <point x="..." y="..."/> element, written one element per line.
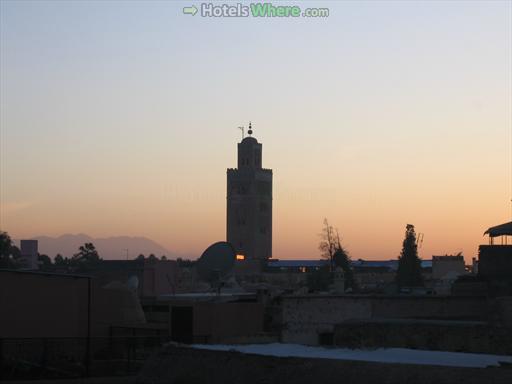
<point x="253" y="10"/>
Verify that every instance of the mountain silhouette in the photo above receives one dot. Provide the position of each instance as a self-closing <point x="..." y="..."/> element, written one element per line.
<point x="108" y="248"/>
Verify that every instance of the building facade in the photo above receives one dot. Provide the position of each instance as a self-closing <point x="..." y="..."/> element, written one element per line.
<point x="29" y="254"/>
<point x="249" y="203"/>
<point x="448" y="267"/>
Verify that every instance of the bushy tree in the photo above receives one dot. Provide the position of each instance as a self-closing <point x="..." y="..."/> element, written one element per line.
<point x="5" y="243"/>
<point x="9" y="253"/>
<point x="86" y="258"/>
<point x="59" y="261"/>
<point x="336" y="254"/>
<point x="341" y="259"/>
<point x="45" y="263"/>
<point x="185" y="263"/>
<point x="409" y="264"/>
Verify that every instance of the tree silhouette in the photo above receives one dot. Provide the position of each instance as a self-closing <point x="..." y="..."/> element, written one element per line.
<point x="185" y="263"/>
<point x="87" y="257"/>
<point x="341" y="259"/>
<point x="9" y="253"/>
<point x="409" y="264"/>
<point x="45" y="262"/>
<point x="5" y="243"/>
<point x="59" y="260"/>
<point x="332" y="250"/>
<point x="328" y="243"/>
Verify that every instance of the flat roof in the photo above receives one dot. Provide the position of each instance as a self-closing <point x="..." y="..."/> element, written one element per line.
<point x="296" y="263"/>
<point x="390" y="264"/>
<point x="43" y="273"/>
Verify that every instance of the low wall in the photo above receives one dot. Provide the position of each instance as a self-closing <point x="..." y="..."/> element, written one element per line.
<point x="218" y="322"/>
<point x="43" y="305"/>
<point x="436" y="335"/>
<point x="303" y="318"/>
<point x="175" y="364"/>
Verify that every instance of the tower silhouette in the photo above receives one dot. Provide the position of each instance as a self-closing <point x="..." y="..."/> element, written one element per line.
<point x="249" y="202"/>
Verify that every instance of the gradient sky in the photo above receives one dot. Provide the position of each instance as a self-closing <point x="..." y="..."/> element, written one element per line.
<point x="120" y="118"/>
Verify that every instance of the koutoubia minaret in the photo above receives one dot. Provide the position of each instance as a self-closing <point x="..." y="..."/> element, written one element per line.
<point x="249" y="202"/>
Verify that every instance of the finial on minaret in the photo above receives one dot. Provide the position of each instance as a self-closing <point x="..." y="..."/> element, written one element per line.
<point x="250" y="129"/>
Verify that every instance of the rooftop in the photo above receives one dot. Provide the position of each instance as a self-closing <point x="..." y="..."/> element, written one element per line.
<point x="44" y="273"/>
<point x="390" y="264"/>
<point x="500" y="230"/>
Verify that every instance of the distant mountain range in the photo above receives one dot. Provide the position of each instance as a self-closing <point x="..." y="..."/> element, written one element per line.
<point x="108" y="248"/>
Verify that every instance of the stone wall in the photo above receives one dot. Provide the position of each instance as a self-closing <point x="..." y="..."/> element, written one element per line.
<point x="304" y="318"/>
<point x="474" y="337"/>
<point x="218" y="322"/>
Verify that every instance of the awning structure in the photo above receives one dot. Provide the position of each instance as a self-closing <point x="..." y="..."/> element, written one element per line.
<point x="500" y="230"/>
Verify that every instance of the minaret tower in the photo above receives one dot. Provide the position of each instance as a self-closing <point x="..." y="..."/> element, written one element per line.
<point x="249" y="202"/>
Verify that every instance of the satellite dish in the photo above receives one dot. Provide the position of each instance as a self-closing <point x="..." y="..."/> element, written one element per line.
<point x="216" y="262"/>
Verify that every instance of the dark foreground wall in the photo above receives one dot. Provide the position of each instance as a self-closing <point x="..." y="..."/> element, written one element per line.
<point x="51" y="305"/>
<point x="495" y="261"/>
<point x="430" y="335"/>
<point x="43" y="304"/>
<point x="182" y="365"/>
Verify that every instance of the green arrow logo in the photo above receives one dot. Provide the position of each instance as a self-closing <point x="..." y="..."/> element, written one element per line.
<point x="190" y="10"/>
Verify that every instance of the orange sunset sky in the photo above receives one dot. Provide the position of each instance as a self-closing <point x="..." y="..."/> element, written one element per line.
<point x="121" y="119"/>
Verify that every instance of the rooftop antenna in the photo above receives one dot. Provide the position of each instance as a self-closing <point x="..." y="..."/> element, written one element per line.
<point x="250" y="129"/>
<point x="243" y="131"/>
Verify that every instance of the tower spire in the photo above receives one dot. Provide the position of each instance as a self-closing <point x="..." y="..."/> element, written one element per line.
<point x="250" y="129"/>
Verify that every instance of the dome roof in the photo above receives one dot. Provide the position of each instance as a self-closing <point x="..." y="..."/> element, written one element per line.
<point x="250" y="139"/>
